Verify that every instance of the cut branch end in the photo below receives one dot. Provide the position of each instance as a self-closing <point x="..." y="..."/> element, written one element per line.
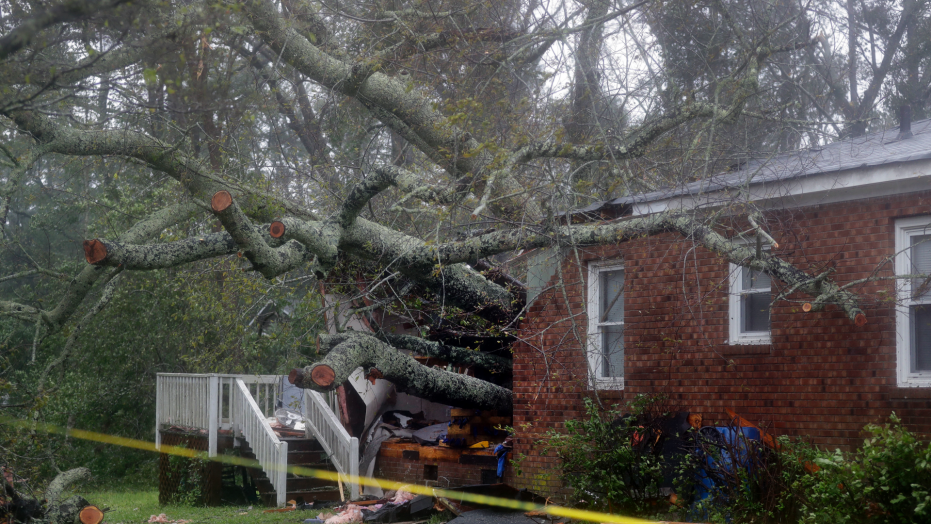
<point x="94" y="251"/>
<point x="221" y="201"/>
<point x="806" y="307"/>
<point x="276" y="229"/>
<point x="90" y="515"/>
<point x="323" y="375"/>
<point x="860" y="319"/>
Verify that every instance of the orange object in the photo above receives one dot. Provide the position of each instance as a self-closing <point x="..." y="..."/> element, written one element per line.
<point x="744" y="423"/>
<point x="695" y="420"/>
<point x="90" y="515"/>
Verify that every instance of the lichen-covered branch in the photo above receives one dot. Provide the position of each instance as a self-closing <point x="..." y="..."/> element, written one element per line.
<point x="62" y="482"/>
<point x="686" y="224"/>
<point x="265" y="259"/>
<point x="427" y="348"/>
<point x="458" y="283"/>
<point x="380" y="360"/>
<point x="158" y="256"/>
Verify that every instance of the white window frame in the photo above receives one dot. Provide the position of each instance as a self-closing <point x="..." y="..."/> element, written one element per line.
<point x="595" y="353"/>
<point x="734" y="311"/>
<point x="905" y="229"/>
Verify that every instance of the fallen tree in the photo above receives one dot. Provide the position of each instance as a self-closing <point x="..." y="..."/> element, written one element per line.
<point x="313" y="230"/>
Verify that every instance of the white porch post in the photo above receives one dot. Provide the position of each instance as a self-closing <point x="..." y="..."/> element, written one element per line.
<point x="282" y="491"/>
<point x="354" y="468"/>
<point x="213" y="414"/>
<point x="158" y="410"/>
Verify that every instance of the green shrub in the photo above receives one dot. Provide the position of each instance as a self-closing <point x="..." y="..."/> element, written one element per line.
<point x="887" y="480"/>
<point x="609" y="464"/>
<point x="599" y="463"/>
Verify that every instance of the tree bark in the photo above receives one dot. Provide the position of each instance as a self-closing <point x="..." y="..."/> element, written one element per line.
<point x="61" y="483"/>
<point x="428" y="348"/>
<point x="408" y="375"/>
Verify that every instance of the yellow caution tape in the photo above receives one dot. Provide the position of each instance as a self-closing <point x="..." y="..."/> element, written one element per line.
<point x="458" y="496"/>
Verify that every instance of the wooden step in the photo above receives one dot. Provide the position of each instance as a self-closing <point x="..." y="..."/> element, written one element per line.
<point x="296" y="458"/>
<point x="306" y="484"/>
<point x="301" y="452"/>
<point x="302" y="444"/>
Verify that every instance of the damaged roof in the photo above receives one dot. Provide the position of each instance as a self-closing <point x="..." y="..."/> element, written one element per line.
<point x="874" y="149"/>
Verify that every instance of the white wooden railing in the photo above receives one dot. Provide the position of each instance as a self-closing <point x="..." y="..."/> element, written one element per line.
<point x="242" y="403"/>
<point x="204" y="401"/>
<point x="269" y="451"/>
<point x="263" y="388"/>
<point x="189" y="400"/>
<point x="342" y="449"/>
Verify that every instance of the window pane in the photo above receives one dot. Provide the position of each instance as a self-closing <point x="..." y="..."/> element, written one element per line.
<point x="612" y="296"/>
<point x="754" y="279"/>
<point x="920" y="317"/>
<point x="612" y="344"/>
<point x="921" y="263"/>
<point x="754" y="309"/>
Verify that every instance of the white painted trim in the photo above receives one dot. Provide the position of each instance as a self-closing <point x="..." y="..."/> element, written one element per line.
<point x="594" y="352"/>
<point x="905" y="228"/>
<point x="736" y="337"/>
<point x="809" y="190"/>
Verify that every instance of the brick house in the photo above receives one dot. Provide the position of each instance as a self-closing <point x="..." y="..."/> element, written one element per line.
<point x="664" y="315"/>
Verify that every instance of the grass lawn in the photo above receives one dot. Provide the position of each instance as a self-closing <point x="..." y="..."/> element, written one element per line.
<point x="137" y="506"/>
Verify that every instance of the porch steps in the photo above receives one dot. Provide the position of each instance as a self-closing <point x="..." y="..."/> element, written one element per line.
<point x="305" y="452"/>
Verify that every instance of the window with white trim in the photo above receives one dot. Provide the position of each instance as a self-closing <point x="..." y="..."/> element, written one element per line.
<point x="750" y="300"/>
<point x="606" y="325"/>
<point x="913" y="307"/>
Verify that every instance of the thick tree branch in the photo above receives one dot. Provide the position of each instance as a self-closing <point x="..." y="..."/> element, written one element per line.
<point x="158" y="256"/>
<point x="268" y="261"/>
<point x="381" y="360"/>
<point x="457" y="283"/>
<point x="427" y="348"/>
<point x="62" y="482"/>
<point x="195" y="175"/>
<point x="473" y="249"/>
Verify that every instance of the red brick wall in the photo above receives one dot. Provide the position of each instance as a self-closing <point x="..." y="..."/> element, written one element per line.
<point x="822" y="377"/>
<point x="402" y="462"/>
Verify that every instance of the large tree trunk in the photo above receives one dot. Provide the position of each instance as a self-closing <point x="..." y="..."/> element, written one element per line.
<point x="428" y="348"/>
